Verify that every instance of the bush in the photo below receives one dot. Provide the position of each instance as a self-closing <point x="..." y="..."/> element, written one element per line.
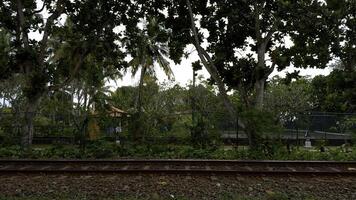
<point x="11" y="152"/>
<point x="57" y="151"/>
<point x="105" y="149"/>
<point x="100" y="149"/>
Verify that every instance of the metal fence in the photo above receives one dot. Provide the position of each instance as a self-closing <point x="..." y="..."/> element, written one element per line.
<point x="332" y="128"/>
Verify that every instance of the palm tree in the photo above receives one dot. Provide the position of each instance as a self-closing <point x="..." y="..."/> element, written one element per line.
<point x="148" y="50"/>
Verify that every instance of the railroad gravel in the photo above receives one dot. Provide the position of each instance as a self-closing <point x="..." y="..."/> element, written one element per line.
<point x="119" y="186"/>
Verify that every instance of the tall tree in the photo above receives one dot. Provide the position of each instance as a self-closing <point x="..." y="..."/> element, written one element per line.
<point x="286" y="100"/>
<point x="341" y="18"/>
<point x="209" y="65"/>
<point x="93" y="33"/>
<point x="148" y="46"/>
<point x="262" y="27"/>
<point x="335" y="92"/>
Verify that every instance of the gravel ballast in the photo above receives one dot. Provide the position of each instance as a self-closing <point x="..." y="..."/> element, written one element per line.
<point x="119" y="186"/>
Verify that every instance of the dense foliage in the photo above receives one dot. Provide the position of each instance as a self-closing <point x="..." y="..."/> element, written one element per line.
<point x="57" y="56"/>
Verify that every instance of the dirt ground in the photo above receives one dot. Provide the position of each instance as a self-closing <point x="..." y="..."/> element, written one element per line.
<point x="118" y="186"/>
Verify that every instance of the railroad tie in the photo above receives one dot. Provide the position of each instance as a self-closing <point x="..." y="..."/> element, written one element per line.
<point x="334" y="169"/>
<point x="248" y="168"/>
<point x="291" y="169"/>
<point x="105" y="167"/>
<point x="6" y="167"/>
<point x="45" y="167"/>
<point x="125" y="167"/>
<point x="65" y="168"/>
<point x="313" y="169"/>
<point x="25" y="167"/>
<point x="270" y="169"/>
<point x="85" y="167"/>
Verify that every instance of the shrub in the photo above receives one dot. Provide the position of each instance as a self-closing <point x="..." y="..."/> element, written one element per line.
<point x="100" y="149"/>
<point x="11" y="152"/>
<point x="54" y="152"/>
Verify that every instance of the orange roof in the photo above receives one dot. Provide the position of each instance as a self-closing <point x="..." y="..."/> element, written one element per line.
<point x="114" y="109"/>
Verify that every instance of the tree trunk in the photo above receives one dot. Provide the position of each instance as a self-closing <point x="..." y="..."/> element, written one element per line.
<point x="210" y="67"/>
<point x="138" y="101"/>
<point x="193" y="99"/>
<point x="261" y="76"/>
<point x="137" y="120"/>
<point x="253" y="139"/>
<point x="28" y="127"/>
<point x="72" y="97"/>
<point x="259" y="88"/>
<point x="85" y="96"/>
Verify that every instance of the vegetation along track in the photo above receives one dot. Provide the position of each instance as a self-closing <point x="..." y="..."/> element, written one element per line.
<point x="177" y="166"/>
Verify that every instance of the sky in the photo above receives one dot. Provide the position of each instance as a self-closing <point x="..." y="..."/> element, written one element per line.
<point x="183" y="71"/>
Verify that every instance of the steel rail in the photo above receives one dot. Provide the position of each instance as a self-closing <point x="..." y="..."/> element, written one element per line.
<point x="178" y="166"/>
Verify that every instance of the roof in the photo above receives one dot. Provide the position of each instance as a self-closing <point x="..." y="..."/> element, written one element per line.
<point x="116" y="110"/>
<point x="112" y="111"/>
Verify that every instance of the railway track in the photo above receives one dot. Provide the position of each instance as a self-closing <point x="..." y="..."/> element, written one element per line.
<point x="177" y="166"/>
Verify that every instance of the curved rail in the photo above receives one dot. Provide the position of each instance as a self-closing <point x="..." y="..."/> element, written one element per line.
<point x="178" y="166"/>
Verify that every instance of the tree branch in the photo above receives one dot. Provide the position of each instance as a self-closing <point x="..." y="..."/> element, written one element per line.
<point x="40" y="10"/>
<point x="57" y="12"/>
<point x="269" y="35"/>
<point x="269" y="70"/>
<point x="73" y="74"/>
<point x="257" y="23"/>
<point x="23" y="29"/>
<point x="211" y="68"/>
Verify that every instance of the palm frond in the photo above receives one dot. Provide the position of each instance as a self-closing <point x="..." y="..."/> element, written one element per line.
<point x="165" y="65"/>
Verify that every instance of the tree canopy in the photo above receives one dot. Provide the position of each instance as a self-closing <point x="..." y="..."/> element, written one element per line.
<point x="240" y="43"/>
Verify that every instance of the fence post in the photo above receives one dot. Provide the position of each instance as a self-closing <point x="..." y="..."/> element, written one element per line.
<point x="237" y="133"/>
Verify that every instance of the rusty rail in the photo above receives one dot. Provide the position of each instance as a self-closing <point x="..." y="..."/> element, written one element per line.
<point x="178" y="166"/>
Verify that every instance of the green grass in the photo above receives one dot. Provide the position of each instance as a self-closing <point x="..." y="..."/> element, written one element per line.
<point x="104" y="149"/>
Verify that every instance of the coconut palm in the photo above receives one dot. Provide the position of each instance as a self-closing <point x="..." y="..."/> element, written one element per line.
<point x="149" y="48"/>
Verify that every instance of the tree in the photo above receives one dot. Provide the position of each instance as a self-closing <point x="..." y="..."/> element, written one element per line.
<point x="286" y="101"/>
<point x="341" y="18"/>
<point x="261" y="26"/>
<point x="148" y="47"/>
<point x="210" y="66"/>
<point x="335" y="92"/>
<point x="208" y="113"/>
<point x="31" y="58"/>
<point x="5" y="48"/>
<point x="124" y="98"/>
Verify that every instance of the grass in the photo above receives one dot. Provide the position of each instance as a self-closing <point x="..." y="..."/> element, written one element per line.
<point x="104" y="149"/>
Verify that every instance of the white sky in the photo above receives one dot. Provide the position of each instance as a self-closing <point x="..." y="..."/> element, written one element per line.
<point x="183" y="71"/>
